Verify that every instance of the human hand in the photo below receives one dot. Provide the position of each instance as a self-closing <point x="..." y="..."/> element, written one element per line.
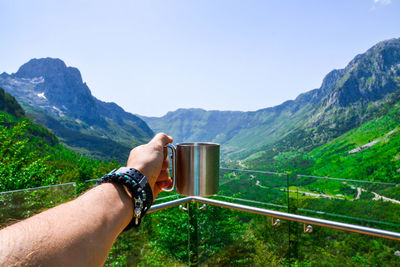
<point x="152" y="160"/>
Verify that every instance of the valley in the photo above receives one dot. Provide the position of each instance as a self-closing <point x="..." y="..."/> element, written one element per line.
<point x="331" y="153"/>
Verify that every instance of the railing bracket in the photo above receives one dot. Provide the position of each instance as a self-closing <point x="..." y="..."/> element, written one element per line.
<point x="275" y="223"/>
<point x="204" y="206"/>
<point x="181" y="207"/>
<point x="308" y="229"/>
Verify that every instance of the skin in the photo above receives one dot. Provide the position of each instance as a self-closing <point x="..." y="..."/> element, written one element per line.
<point x="81" y="232"/>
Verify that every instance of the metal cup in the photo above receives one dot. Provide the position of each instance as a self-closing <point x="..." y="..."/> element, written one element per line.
<point x="195" y="168"/>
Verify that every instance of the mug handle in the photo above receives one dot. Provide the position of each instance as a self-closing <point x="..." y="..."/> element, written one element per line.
<point x="173" y="150"/>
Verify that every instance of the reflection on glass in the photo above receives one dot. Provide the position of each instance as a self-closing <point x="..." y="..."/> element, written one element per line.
<point x="207" y="235"/>
<point x="255" y="188"/>
<point x="20" y="204"/>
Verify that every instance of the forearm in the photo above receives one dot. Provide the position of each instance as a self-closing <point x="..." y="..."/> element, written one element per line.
<point x="83" y="237"/>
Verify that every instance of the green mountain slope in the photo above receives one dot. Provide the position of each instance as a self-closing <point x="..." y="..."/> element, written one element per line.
<point x="80" y="138"/>
<point x="369" y="152"/>
<point x="30" y="155"/>
<point x="10" y="105"/>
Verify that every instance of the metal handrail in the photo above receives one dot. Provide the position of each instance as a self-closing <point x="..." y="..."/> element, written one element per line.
<point x="169" y="204"/>
<point x="282" y="215"/>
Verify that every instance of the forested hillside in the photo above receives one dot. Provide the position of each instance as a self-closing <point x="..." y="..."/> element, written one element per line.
<point x="10" y="105"/>
<point x="368" y="152"/>
<point x="30" y="155"/>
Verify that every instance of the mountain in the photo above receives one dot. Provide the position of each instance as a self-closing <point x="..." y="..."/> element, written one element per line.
<point x="197" y="124"/>
<point x="55" y="96"/>
<point x="347" y="98"/>
<point x="32" y="156"/>
<point x="243" y="132"/>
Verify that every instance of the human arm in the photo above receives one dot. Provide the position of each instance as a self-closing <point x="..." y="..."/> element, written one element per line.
<point x="82" y="231"/>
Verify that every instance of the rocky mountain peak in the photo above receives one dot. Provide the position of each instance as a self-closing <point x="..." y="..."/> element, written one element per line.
<point x="62" y="88"/>
<point x="46" y="67"/>
<point x="55" y="95"/>
<point x="368" y="77"/>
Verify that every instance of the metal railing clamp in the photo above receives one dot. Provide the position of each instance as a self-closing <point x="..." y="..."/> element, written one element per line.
<point x="181" y="207"/>
<point x="204" y="206"/>
<point x="307" y="229"/>
<point x="275" y="223"/>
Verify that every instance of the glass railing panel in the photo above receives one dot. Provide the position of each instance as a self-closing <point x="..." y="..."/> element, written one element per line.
<point x="330" y="247"/>
<point x="254" y="188"/>
<point x="227" y="237"/>
<point x="161" y="240"/>
<point x="164" y="197"/>
<point x="207" y="235"/>
<point x="365" y="203"/>
<point x="372" y="204"/>
<point x="20" y="204"/>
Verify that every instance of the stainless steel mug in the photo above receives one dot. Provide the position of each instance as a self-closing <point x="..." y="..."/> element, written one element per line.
<point x="195" y="168"/>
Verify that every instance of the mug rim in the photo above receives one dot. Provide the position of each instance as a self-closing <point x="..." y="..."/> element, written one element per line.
<point x="191" y="144"/>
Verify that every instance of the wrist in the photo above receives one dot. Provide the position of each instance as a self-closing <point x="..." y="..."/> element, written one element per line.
<point x="120" y="199"/>
<point x="146" y="172"/>
<point x="116" y="208"/>
<point x="136" y="187"/>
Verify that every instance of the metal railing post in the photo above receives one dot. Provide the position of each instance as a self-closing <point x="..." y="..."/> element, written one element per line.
<point x="193" y="235"/>
<point x="293" y="235"/>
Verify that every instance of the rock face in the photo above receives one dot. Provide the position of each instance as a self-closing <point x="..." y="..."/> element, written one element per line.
<point x="347" y="97"/>
<point x="55" y="95"/>
<point x="61" y="87"/>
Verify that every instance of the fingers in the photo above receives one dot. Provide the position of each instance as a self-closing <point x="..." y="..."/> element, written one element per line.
<point x="164" y="175"/>
<point x="165" y="184"/>
<point x="162" y="139"/>
<point x="163" y="181"/>
<point x="159" y="186"/>
<point x="165" y="163"/>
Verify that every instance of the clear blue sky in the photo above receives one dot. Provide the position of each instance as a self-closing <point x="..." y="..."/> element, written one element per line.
<point x="151" y="57"/>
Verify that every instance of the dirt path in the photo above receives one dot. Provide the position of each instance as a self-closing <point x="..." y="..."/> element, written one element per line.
<point x="314" y="194"/>
<point x="241" y="164"/>
<point x="380" y="197"/>
<point x="359" y="191"/>
<point x="376" y="195"/>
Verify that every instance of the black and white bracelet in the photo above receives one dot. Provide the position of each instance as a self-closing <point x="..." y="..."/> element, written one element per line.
<point x="137" y="185"/>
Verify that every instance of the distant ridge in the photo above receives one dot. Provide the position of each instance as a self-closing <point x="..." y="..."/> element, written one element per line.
<point x="347" y="98"/>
